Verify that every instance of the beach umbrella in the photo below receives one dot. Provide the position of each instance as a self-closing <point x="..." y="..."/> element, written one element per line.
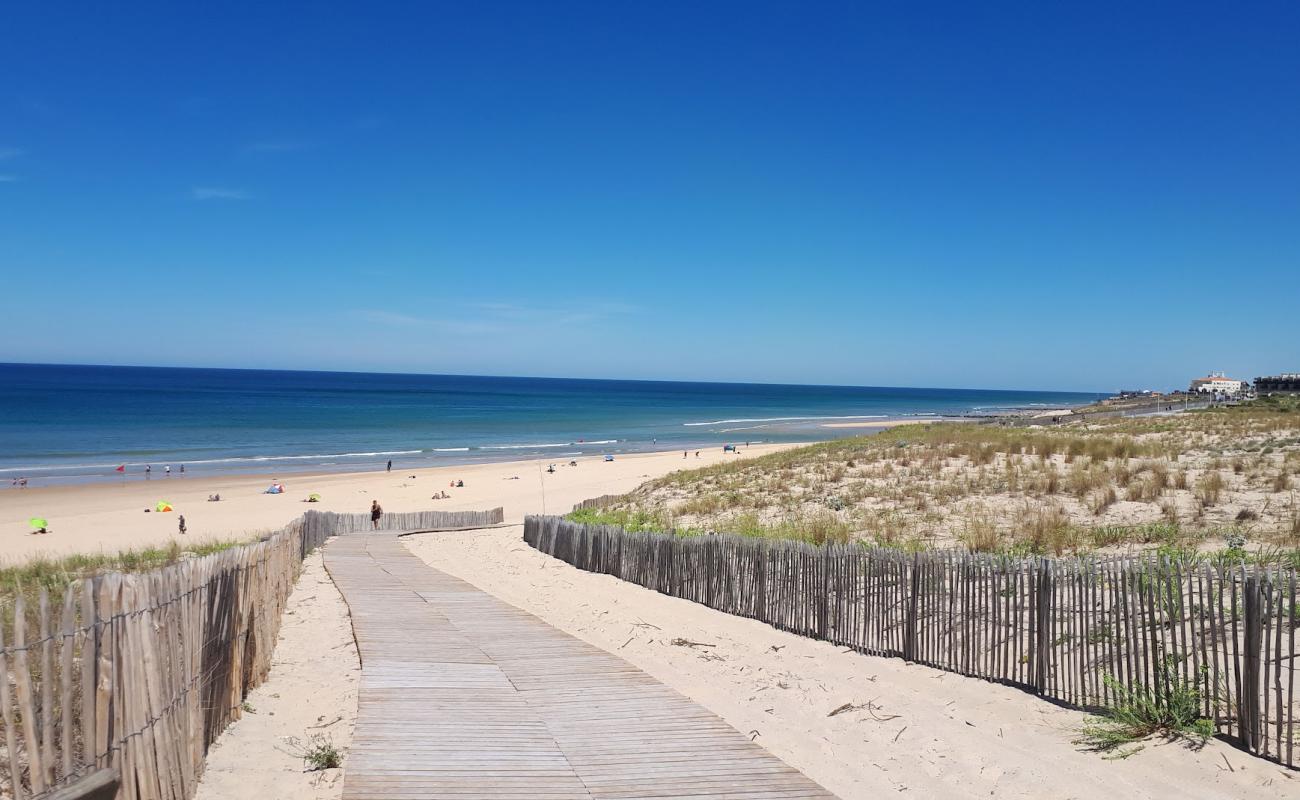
<point x="38" y="523"/>
<point x="163" y="505"/>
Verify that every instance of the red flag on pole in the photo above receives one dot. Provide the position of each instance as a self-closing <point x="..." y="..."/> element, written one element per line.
<point x="121" y="468"/>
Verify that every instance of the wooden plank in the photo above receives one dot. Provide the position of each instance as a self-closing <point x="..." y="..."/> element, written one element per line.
<point x="66" y="647"/>
<point x="89" y="644"/>
<point x="26" y="700"/>
<point x="7" y="714"/>
<point x="99" y="785"/>
<point x="48" y="678"/>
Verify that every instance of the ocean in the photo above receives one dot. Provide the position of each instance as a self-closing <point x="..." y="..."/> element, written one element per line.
<point x="63" y="424"/>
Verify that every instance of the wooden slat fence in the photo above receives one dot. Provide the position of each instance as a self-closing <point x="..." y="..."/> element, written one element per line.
<point x="141" y="672"/>
<point x="1053" y="627"/>
<point x="411" y="521"/>
<point x="599" y="502"/>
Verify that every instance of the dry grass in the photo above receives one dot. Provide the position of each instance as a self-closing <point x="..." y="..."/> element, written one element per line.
<point x="1053" y="490"/>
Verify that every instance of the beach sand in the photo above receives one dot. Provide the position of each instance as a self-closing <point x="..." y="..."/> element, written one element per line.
<point x="110" y="516"/>
<point x="914" y="729"/>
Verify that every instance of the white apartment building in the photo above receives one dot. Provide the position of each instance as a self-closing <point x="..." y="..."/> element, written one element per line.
<point x="1217" y="383"/>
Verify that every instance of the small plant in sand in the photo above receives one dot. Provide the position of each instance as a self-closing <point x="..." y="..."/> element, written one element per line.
<point x="980" y="533"/>
<point x="1209" y="488"/>
<point x="317" y="752"/>
<point x="1169" y="710"/>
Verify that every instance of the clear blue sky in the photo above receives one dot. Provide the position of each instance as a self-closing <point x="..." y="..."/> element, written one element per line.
<point x="938" y="194"/>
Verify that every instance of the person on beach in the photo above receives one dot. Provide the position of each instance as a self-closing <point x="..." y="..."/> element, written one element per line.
<point x="167" y="470"/>
<point x="375" y="513"/>
<point x="148" y="468"/>
<point x="683" y="454"/>
<point x="390" y="465"/>
<point x="180" y="524"/>
<point x="182" y="469"/>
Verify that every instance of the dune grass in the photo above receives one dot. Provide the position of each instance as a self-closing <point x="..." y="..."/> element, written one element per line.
<point x="54" y="574"/>
<point x="1124" y="483"/>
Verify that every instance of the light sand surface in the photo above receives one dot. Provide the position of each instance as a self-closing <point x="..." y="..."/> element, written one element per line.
<point x="918" y="730"/>
<point x="312" y="689"/>
<point x="110" y="516"/>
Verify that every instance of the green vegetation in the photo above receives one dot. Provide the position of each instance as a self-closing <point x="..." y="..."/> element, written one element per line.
<point x="54" y="574"/>
<point x="317" y="752"/>
<point x="634" y="521"/>
<point x="816" y="529"/>
<point x="1170" y="710"/>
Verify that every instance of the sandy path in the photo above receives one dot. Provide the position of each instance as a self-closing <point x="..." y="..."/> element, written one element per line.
<point x="931" y="733"/>
<point x="312" y="689"/>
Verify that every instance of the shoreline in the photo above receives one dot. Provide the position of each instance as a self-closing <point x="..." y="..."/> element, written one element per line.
<point x="263" y="467"/>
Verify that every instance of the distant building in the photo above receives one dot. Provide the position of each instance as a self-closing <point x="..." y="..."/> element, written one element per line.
<point x="1217" y="383"/>
<point x="1286" y="383"/>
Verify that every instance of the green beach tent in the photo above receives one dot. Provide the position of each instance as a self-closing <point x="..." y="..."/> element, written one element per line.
<point x="163" y="505"/>
<point x="38" y="523"/>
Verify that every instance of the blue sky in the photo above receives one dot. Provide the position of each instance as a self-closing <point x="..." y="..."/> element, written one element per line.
<point x="939" y="194"/>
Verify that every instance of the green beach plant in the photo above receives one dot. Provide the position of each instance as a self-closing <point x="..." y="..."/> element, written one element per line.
<point x="1169" y="710"/>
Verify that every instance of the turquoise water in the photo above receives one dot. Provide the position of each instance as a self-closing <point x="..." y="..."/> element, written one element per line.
<point x="68" y="423"/>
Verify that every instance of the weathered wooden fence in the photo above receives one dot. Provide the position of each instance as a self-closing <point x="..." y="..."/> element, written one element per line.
<point x="141" y="672"/>
<point x="599" y="502"/>
<point x="1052" y="627"/>
<point x="408" y="521"/>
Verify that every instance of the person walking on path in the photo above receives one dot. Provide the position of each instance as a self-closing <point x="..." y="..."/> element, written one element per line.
<point x="180" y="523"/>
<point x="376" y="511"/>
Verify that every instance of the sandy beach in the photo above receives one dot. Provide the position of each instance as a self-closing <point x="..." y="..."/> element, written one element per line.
<point x="111" y="516"/>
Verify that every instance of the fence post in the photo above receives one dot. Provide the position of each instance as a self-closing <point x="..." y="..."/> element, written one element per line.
<point x="1248" y="704"/>
<point x="909" y="627"/>
<point x="1043" y="617"/>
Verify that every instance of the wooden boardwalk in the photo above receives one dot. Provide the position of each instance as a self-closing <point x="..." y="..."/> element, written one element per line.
<point x="464" y="696"/>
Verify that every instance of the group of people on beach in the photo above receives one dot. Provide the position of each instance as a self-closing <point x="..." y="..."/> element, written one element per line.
<point x="167" y="470"/>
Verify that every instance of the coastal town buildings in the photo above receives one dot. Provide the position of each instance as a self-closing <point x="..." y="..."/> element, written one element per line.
<point x="1217" y="383"/>
<point x="1286" y="383"/>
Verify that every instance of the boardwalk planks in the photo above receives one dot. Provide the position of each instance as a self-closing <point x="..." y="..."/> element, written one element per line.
<point x="465" y="696"/>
